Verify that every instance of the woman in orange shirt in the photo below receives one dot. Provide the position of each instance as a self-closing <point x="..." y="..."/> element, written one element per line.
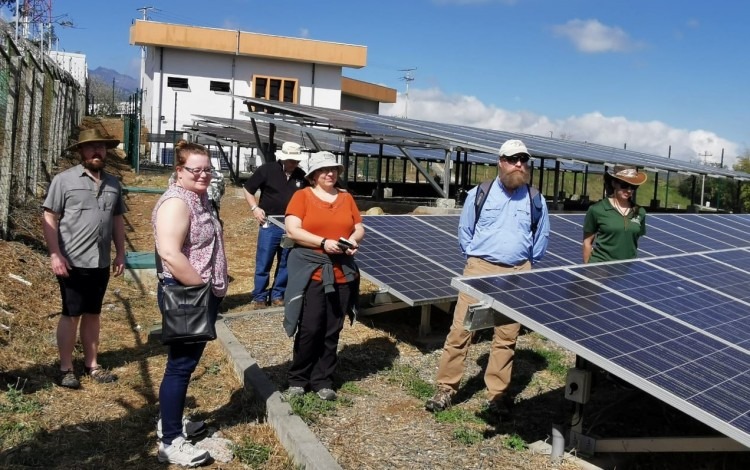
<point x="323" y="278"/>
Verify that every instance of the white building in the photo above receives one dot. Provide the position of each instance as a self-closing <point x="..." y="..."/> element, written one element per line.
<point x="74" y="64"/>
<point x="191" y="70"/>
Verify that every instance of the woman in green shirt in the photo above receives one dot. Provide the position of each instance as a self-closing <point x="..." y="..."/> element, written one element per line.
<point x="614" y="224"/>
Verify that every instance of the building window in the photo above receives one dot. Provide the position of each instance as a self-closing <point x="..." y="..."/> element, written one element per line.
<point x="222" y="87"/>
<point x="180" y="83"/>
<point x="275" y="89"/>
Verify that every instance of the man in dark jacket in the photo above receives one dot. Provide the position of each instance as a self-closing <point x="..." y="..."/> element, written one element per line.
<point x="277" y="181"/>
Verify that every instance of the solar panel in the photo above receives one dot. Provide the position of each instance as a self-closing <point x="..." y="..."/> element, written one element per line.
<point x="415" y="256"/>
<point x="676" y="327"/>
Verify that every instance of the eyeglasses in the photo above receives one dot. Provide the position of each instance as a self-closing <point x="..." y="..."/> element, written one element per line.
<point x="198" y="171"/>
<point x="627" y="186"/>
<point x="524" y="159"/>
<point x="332" y="169"/>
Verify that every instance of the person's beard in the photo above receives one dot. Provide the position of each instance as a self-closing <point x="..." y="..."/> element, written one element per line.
<point x="515" y="179"/>
<point x="94" y="164"/>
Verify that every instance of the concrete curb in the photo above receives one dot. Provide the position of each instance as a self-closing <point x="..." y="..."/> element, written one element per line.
<point x="292" y="432"/>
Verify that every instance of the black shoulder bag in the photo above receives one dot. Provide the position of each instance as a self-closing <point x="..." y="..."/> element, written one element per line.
<point x="185" y="318"/>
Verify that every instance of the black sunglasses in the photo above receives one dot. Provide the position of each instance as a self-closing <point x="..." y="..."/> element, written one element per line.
<point x="516" y="158"/>
<point x="626" y="186"/>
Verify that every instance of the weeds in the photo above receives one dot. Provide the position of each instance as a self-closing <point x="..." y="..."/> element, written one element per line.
<point x="514" y="442"/>
<point x="556" y="361"/>
<point x="353" y="389"/>
<point x="309" y="407"/>
<point x="408" y="378"/>
<point x="456" y="416"/>
<point x="467" y="436"/>
<point x="251" y="453"/>
<point x="17" y="402"/>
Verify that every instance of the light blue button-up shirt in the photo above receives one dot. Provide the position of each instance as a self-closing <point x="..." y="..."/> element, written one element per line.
<point x="503" y="232"/>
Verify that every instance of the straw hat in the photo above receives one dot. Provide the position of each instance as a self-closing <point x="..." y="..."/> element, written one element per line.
<point x="628" y="174"/>
<point x="94" y="135"/>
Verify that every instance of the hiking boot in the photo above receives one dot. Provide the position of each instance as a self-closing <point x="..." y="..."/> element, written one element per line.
<point x="258" y="305"/>
<point x="100" y="375"/>
<point x="189" y="428"/>
<point x="440" y="401"/>
<point x="181" y="452"/>
<point x="67" y="379"/>
<point x="498" y="408"/>
<point x="326" y="394"/>
<point x="295" y="391"/>
<point x="277" y="303"/>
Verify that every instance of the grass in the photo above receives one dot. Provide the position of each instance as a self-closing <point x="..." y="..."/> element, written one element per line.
<point x="251" y="453"/>
<point x="310" y="408"/>
<point x="556" y="361"/>
<point x="18" y="403"/>
<point x="408" y="378"/>
<point x="456" y="415"/>
<point x="514" y="442"/>
<point x="467" y="436"/>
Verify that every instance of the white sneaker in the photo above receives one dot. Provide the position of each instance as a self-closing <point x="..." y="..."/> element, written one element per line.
<point x="181" y="452"/>
<point x="189" y="428"/>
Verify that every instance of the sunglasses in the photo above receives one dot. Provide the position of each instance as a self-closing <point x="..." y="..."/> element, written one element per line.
<point x="627" y="186"/>
<point x="516" y="158"/>
<point x="198" y="171"/>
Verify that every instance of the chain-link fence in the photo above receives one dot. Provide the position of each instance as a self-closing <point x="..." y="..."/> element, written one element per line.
<point x="40" y="104"/>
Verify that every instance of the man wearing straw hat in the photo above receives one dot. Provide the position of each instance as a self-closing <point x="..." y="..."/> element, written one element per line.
<point x="83" y="214"/>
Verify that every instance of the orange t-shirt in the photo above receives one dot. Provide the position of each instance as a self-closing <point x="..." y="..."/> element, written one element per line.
<point x="330" y="220"/>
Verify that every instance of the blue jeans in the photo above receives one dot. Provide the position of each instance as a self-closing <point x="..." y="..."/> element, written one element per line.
<point x="268" y="248"/>
<point x="182" y="359"/>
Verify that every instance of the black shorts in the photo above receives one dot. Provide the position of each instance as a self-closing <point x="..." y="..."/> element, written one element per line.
<point x="83" y="290"/>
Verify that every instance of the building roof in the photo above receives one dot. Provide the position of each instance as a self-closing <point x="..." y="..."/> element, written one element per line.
<point x="369" y="91"/>
<point x="227" y="41"/>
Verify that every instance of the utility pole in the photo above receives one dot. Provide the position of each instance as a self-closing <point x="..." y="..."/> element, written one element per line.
<point x="408" y="78"/>
<point x="703" y="180"/>
<point x="145" y="11"/>
<point x="113" y="94"/>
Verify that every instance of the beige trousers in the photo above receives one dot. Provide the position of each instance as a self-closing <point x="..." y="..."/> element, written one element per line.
<point x="500" y="365"/>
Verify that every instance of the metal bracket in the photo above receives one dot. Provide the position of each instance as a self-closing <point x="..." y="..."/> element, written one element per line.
<point x="480" y="316"/>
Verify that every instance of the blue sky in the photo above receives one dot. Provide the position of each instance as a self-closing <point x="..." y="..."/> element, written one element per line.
<point x="646" y="73"/>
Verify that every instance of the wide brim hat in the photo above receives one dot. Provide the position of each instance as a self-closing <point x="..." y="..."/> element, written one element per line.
<point x="289" y="151"/>
<point x="320" y="160"/>
<point x="94" y="135"/>
<point x="628" y="174"/>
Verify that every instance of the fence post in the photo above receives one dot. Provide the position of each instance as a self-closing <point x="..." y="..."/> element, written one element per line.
<point x="6" y="157"/>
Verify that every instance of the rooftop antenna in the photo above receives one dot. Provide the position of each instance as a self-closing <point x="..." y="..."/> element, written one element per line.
<point x="408" y="78"/>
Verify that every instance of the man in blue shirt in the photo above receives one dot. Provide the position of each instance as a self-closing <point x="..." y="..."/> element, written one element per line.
<point x="500" y="241"/>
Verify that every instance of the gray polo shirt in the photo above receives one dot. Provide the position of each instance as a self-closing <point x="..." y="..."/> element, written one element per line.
<point x="86" y="215"/>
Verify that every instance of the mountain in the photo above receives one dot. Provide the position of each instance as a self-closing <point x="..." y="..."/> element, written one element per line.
<point x="126" y="83"/>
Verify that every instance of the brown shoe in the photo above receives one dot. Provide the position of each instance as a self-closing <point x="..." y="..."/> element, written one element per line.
<point x="102" y="376"/>
<point x="277" y="303"/>
<point x="68" y="379"/>
<point x="440" y="401"/>
<point x="258" y="305"/>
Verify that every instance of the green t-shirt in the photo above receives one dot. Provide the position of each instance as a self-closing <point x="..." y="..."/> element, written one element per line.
<point x="616" y="235"/>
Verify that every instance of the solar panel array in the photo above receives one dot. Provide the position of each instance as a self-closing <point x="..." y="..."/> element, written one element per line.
<point x="478" y="140"/>
<point x="415" y="257"/>
<point x="675" y="326"/>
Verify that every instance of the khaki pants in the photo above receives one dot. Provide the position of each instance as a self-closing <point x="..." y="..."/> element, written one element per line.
<point x="500" y="365"/>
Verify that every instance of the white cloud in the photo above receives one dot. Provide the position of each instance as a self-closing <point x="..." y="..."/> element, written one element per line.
<point x="304" y="33"/>
<point x="591" y="36"/>
<point x="653" y="137"/>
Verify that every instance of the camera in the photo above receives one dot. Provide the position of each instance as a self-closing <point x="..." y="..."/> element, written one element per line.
<point x="345" y="244"/>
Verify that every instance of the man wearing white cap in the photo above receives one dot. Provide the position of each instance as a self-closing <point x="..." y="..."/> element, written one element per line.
<point x="504" y="234"/>
<point x="277" y="181"/>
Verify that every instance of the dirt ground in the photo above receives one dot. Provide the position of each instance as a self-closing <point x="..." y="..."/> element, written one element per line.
<point x="377" y="424"/>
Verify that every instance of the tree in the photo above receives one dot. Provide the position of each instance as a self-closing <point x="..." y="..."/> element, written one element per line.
<point x="743" y="165"/>
<point x="104" y="98"/>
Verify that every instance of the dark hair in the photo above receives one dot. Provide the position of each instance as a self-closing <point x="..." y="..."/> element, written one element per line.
<point x="183" y="149"/>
